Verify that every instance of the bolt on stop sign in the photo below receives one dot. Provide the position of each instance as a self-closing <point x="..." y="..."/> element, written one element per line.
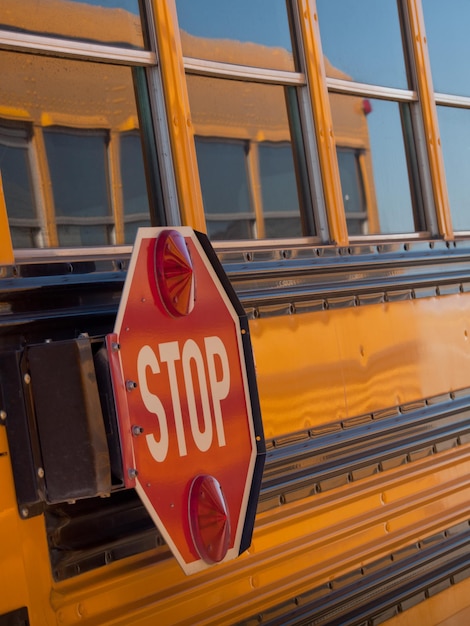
<point x="186" y="397"/>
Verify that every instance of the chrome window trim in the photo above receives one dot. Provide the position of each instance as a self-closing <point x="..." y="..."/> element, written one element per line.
<point x="56" y="46"/>
<point x="373" y="91"/>
<point x="160" y="119"/>
<point x="242" y="72"/>
<point x="447" y="99"/>
<point x="32" y="255"/>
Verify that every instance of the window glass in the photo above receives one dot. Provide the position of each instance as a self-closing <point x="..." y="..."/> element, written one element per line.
<point x="112" y="22"/>
<point x="361" y="40"/>
<point x="17" y="187"/>
<point x="374" y="129"/>
<point x="242" y="32"/>
<point x="134" y="188"/>
<point x="279" y="190"/>
<point x="246" y="165"/>
<point x="454" y="126"/>
<point x="350" y="163"/>
<point x="225" y="192"/>
<point x="449" y="44"/>
<point x="89" y="186"/>
<point x="77" y="166"/>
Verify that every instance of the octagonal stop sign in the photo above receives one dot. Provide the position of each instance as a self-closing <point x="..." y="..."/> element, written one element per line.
<point x="186" y="397"/>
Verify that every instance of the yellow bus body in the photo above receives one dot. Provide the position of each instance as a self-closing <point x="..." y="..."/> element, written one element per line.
<point x="361" y="347"/>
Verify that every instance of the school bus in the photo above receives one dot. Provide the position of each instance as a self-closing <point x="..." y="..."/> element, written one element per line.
<point x="322" y="146"/>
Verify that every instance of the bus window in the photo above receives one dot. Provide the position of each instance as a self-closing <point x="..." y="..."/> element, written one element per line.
<point x="387" y="170"/>
<point x="134" y="190"/>
<point x="447" y="36"/>
<point x="362" y="40"/>
<point x="15" y="169"/>
<point x="252" y="163"/>
<point x="278" y="187"/>
<point x="77" y="165"/>
<point x="225" y="189"/>
<point x="99" y="22"/>
<point x="242" y="134"/>
<point x="87" y="186"/>
<point x="365" y="56"/>
<point x="207" y="23"/>
<point x="454" y="127"/>
<point x="352" y="187"/>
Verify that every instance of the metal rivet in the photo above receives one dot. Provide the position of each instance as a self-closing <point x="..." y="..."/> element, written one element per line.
<point x="115" y="346"/>
<point x="3" y="415"/>
<point x="40" y="472"/>
<point x="27" y="378"/>
<point x="132" y="472"/>
<point x="130" y="385"/>
<point x="137" y="430"/>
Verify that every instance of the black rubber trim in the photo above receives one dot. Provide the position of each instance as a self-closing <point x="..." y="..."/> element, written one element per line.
<point x="19" y="617"/>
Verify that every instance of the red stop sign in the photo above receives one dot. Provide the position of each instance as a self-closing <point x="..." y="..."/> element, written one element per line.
<point x="186" y="398"/>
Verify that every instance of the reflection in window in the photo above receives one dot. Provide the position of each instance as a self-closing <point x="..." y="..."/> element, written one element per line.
<point x="78" y="171"/>
<point x="377" y="132"/>
<point x="225" y="192"/>
<point x="352" y="187"/>
<point x="88" y="185"/>
<point x="16" y="176"/>
<point x="134" y="188"/>
<point x="362" y="41"/>
<point x="454" y="125"/>
<point x="248" y="174"/>
<point x="111" y="22"/>
<point x="449" y="44"/>
<point x="242" y="32"/>
<point x="279" y="190"/>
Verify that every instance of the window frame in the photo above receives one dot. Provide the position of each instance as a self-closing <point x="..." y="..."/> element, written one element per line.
<point x="423" y="202"/>
<point x="61" y="47"/>
<point x="316" y="217"/>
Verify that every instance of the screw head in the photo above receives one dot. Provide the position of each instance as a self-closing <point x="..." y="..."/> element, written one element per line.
<point x="3" y="415"/>
<point x="27" y="378"/>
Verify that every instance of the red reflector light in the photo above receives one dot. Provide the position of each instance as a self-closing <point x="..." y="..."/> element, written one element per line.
<point x="366" y="106"/>
<point x="209" y="519"/>
<point x="174" y="273"/>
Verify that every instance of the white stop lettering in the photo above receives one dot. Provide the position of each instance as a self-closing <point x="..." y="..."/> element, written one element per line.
<point x="192" y="360"/>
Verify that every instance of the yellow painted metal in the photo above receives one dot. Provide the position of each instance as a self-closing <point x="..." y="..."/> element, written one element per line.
<point x="323" y="122"/>
<point x="338" y="531"/>
<point x="343" y="374"/>
<point x="359" y="359"/>
<point x="25" y="578"/>
<point x="6" y="248"/>
<point x="179" y="116"/>
<point x="447" y="608"/>
<point x="431" y="128"/>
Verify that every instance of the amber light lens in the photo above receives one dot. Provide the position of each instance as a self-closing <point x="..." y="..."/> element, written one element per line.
<point x="209" y="519"/>
<point x="174" y="273"/>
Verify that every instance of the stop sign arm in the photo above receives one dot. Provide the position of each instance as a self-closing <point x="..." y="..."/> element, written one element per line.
<point x="119" y="392"/>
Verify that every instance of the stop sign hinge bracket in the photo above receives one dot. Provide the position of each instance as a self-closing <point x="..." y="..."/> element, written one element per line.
<point x="120" y="390"/>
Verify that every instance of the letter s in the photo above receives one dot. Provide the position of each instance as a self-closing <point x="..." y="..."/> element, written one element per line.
<point x="153" y="404"/>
